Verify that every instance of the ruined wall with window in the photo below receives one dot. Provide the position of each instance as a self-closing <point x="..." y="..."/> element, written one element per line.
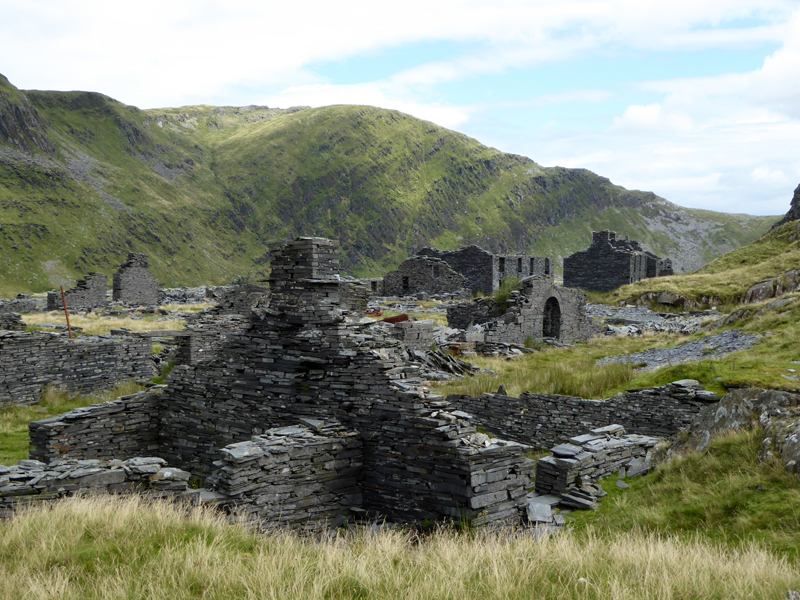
<point x="423" y="274"/>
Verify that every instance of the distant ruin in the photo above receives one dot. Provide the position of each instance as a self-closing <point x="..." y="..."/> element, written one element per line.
<point x="485" y="271"/>
<point x="134" y="284"/>
<point x="88" y="294"/>
<point x="423" y="274"/>
<point x="610" y="263"/>
<point x="538" y="310"/>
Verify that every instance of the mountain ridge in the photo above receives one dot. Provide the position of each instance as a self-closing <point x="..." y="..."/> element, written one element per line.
<point x="203" y="190"/>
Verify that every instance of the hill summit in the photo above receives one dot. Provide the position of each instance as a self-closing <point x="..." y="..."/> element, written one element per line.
<point x="202" y="190"/>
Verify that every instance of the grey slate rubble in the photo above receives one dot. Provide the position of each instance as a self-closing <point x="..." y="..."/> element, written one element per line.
<point x="31" y="361"/>
<point x="634" y="321"/>
<point x="31" y="481"/>
<point x="134" y="284"/>
<point x="23" y="304"/>
<point x="88" y="294"/>
<point x="713" y="346"/>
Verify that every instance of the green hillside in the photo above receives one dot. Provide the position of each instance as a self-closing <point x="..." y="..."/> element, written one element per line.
<point x="201" y="190"/>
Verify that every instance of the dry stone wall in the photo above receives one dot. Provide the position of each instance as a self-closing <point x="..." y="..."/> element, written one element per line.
<point x="31" y="361"/>
<point x="423" y="274"/>
<point x="134" y="284"/>
<point x="10" y="321"/>
<point x="544" y="421"/>
<point x="124" y="428"/>
<point x="591" y="457"/>
<point x="21" y="304"/>
<point x="88" y="294"/>
<point x="205" y="334"/>
<point x="31" y="481"/>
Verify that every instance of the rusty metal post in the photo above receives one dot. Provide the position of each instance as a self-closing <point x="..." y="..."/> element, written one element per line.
<point x="66" y="312"/>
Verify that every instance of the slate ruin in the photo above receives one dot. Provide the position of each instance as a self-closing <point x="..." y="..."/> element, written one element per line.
<point x="300" y="371"/>
<point x="134" y="284"/>
<point x="612" y="262"/>
<point x="539" y="310"/>
<point x="88" y="294"/>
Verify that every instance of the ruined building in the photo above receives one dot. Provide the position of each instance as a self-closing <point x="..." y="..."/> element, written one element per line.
<point x="423" y="274"/>
<point x="610" y="263"/>
<point x="297" y="418"/>
<point x="134" y="284"/>
<point x="538" y="310"/>
<point x="88" y="294"/>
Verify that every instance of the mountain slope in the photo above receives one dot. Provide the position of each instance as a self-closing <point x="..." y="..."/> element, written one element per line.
<point x="85" y="179"/>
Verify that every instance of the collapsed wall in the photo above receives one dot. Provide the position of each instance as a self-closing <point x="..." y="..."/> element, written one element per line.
<point x="88" y="294"/>
<point x="29" y="362"/>
<point x="10" y="321"/>
<point x="543" y="420"/>
<point x="134" y="284"/>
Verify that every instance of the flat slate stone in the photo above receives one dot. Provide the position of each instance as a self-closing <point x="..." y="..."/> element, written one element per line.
<point x="566" y="450"/>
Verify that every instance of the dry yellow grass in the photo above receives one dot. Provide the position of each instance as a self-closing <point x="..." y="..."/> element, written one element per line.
<point x="95" y="324"/>
<point x="109" y="547"/>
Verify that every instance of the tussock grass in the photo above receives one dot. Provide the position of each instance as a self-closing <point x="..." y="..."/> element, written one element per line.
<point x="725" y="494"/>
<point x="96" y="324"/>
<point x="128" y="548"/>
<point x="14" y="440"/>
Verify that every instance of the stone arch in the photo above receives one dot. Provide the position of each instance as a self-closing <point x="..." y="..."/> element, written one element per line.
<point x="551" y="325"/>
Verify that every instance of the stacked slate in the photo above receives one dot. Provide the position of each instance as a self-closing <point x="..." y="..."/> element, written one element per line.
<point x="417" y="335"/>
<point x="134" y="284"/>
<point x="545" y="420"/>
<point x="10" y="321"/>
<point x="292" y="477"/>
<point x="437" y="466"/>
<point x="240" y="300"/>
<point x="124" y="428"/>
<point x="204" y="334"/>
<point x="31" y="361"/>
<point x="589" y="458"/>
<point x="88" y="294"/>
<point x="31" y="481"/>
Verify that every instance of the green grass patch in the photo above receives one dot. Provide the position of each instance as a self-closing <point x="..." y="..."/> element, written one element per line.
<point x="724" y="495"/>
<point x="14" y="440"/>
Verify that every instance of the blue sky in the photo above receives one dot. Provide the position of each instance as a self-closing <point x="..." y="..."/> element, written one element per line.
<point x="695" y="100"/>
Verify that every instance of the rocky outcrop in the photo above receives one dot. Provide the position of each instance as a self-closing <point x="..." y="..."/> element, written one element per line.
<point x="20" y="123"/>
<point x="794" y="209"/>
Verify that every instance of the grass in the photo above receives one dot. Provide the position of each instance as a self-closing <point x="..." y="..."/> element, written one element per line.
<point x="104" y="548"/>
<point x="724" y="495"/>
<point x="14" y="441"/>
<point x="95" y="324"/>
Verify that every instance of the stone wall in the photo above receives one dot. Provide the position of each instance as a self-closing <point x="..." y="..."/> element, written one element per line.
<point x="240" y="299"/>
<point x="612" y="262"/>
<point x="374" y="285"/>
<point x="124" y="428"/>
<point x="88" y="294"/>
<point x="134" y="284"/>
<point x="538" y="310"/>
<point x="591" y="457"/>
<point x="31" y="481"/>
<point x="417" y="335"/>
<point x="485" y="271"/>
<point x="204" y="334"/>
<point x="477" y="312"/>
<point x="423" y="274"/>
<point x="10" y="321"/>
<point x="291" y="477"/>
<point x="31" y="361"/>
<point x="542" y="420"/>
<point x="355" y="296"/>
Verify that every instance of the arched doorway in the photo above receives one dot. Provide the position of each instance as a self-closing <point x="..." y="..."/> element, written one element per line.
<point x="551" y="326"/>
